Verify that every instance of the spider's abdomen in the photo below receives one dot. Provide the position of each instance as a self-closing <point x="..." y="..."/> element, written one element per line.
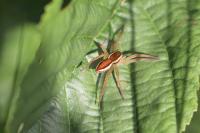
<point x="115" y="57"/>
<point x="104" y="65"/>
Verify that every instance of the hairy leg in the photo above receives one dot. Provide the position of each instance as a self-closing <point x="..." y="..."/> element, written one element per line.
<point x="105" y="80"/>
<point x="115" y="42"/>
<point x="137" y="57"/>
<point x="96" y="58"/>
<point x="116" y="73"/>
<point x="104" y="49"/>
<point x="143" y="56"/>
<point x="104" y="55"/>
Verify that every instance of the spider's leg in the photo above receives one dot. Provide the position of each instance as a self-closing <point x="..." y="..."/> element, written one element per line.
<point x="96" y="58"/>
<point x="104" y="50"/>
<point x="143" y="56"/>
<point x="104" y="54"/>
<point x="97" y="86"/>
<point x="116" y="73"/>
<point x="138" y="57"/>
<point x="105" y="80"/>
<point x="115" y="43"/>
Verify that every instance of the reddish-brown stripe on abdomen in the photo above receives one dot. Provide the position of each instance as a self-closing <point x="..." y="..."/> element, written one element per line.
<point x="104" y="65"/>
<point x="115" y="56"/>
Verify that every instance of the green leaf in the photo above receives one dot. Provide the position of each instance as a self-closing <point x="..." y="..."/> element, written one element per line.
<point x="18" y="51"/>
<point x="51" y="10"/>
<point x="44" y="79"/>
<point x="181" y="45"/>
<point x="64" y="42"/>
<point x="160" y="97"/>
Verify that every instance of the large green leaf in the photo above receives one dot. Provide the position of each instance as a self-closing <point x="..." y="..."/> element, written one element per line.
<point x="18" y="51"/>
<point x="181" y="45"/>
<point x="160" y="97"/>
<point x="65" y="39"/>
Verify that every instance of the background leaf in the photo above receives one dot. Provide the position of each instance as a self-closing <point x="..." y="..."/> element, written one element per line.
<point x="61" y="50"/>
<point x="20" y="46"/>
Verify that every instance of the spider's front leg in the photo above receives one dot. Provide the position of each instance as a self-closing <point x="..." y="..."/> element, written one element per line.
<point x="115" y="43"/>
<point x="137" y="57"/>
<point x="104" y="54"/>
<point x="96" y="58"/>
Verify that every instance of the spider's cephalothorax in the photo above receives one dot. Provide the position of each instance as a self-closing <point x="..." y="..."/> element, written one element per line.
<point x="111" y="61"/>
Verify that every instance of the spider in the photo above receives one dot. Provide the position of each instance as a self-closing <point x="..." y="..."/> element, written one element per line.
<point x="111" y="61"/>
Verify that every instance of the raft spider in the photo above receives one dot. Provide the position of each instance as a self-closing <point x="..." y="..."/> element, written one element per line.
<point x="112" y="59"/>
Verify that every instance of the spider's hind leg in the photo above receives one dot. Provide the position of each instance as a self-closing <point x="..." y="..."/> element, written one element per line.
<point x="138" y="57"/>
<point x="105" y="80"/>
<point x="117" y="80"/>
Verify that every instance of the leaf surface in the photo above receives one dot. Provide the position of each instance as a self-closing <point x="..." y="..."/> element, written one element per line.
<point x="160" y="96"/>
<point x="19" y="48"/>
<point x="65" y="40"/>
